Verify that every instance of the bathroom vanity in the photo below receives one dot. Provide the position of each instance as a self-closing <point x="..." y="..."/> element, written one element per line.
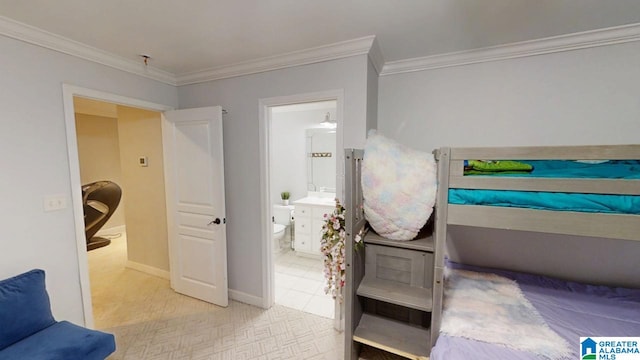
<point x="309" y="218"/>
<point x="321" y="188"/>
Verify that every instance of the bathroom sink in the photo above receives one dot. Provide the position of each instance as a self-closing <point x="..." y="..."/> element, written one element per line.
<point x="316" y="201"/>
<point x="325" y="201"/>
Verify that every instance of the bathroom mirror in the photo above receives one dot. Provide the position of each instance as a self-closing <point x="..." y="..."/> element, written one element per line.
<point x="321" y="159"/>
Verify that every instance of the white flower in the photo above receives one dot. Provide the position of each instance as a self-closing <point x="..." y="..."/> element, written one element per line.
<point x="332" y="246"/>
<point x="336" y="224"/>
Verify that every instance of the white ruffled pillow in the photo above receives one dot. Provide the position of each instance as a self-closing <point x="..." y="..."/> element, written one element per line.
<point x="399" y="187"/>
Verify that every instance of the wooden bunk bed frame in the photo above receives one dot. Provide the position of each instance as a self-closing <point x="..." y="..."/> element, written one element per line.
<point x="450" y="175"/>
<point x="615" y="226"/>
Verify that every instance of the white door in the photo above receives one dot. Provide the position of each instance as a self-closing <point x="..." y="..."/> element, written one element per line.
<point x="195" y="203"/>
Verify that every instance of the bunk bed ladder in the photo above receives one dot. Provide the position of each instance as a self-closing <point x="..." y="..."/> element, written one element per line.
<point x="394" y="304"/>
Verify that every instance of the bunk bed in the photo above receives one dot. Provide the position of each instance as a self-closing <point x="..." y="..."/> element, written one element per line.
<point x="545" y="294"/>
<point x="570" y="309"/>
<point x="609" y="225"/>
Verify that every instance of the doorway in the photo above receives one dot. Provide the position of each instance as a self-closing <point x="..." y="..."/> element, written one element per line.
<point x="295" y="131"/>
<point x="122" y="146"/>
<point x="69" y="92"/>
<point x="286" y="268"/>
<point x="192" y="147"/>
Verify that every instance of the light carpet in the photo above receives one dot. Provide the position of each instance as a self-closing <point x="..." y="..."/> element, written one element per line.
<point x="151" y="321"/>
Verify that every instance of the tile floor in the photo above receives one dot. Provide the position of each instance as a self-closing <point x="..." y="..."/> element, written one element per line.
<point x="299" y="284"/>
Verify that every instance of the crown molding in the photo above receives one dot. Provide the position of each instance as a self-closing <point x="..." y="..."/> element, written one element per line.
<point x="39" y="37"/>
<point x="365" y="45"/>
<point x="334" y="51"/>
<point x="568" y="42"/>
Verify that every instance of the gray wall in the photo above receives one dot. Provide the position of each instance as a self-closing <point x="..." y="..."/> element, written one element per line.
<point x="33" y="154"/>
<point x="587" y="96"/>
<point x="99" y="156"/>
<point x="140" y="134"/>
<point x="240" y="96"/>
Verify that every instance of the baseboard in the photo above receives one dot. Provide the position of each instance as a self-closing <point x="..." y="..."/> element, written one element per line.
<point x="120" y="229"/>
<point x="148" y="269"/>
<point x="245" y="298"/>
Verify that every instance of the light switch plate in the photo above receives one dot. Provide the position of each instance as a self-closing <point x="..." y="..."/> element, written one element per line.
<point x="54" y="202"/>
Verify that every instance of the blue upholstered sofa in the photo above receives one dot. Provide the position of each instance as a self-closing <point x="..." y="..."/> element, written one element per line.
<point x="29" y="331"/>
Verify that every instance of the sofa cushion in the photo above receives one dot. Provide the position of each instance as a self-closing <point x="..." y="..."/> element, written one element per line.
<point x="24" y="307"/>
<point x="62" y="341"/>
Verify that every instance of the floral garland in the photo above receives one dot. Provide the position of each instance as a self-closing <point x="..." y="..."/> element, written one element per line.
<point x="333" y="248"/>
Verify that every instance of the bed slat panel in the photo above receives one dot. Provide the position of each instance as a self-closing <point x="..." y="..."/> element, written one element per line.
<point x="456" y="168"/>
<point x="594" y="186"/>
<point x="596" y="152"/>
<point x="613" y="226"/>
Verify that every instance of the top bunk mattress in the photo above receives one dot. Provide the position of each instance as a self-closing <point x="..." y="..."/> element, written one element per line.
<point x="605" y="169"/>
<point x="564" y="169"/>
<point x="571" y="310"/>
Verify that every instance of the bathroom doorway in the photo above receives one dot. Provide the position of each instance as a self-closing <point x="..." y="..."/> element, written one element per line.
<point x="292" y="127"/>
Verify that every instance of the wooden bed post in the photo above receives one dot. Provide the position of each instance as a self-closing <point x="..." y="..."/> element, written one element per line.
<point x="354" y="221"/>
<point x="442" y="202"/>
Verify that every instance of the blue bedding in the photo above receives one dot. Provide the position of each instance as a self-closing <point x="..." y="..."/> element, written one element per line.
<point x="600" y="203"/>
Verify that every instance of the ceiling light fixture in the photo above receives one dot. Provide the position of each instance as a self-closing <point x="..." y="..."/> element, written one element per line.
<point x="145" y="59"/>
<point x="328" y="122"/>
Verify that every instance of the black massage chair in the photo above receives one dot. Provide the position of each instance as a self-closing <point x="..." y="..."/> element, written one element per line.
<point x="99" y="201"/>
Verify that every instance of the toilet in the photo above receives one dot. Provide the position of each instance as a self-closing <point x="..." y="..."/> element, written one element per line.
<point x="278" y="234"/>
<point x="282" y="219"/>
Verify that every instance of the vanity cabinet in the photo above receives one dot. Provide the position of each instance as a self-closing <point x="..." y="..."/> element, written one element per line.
<point x="309" y="219"/>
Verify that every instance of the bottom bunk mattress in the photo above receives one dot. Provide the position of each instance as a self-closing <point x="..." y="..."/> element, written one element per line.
<point x="496" y="314"/>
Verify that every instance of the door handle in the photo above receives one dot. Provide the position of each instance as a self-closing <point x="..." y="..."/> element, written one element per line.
<point x="215" y="221"/>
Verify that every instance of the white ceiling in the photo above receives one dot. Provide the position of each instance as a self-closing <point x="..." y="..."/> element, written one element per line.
<point x="187" y="36"/>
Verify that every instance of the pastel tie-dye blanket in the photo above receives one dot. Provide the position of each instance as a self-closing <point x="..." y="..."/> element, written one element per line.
<point x="399" y="187"/>
<point x="492" y="309"/>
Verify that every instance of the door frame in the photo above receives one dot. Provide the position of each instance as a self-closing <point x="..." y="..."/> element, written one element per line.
<point x="268" y="273"/>
<point x="68" y="92"/>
